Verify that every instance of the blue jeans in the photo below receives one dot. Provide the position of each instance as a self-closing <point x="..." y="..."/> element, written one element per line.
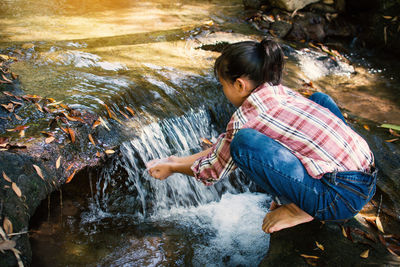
<point x="336" y="196"/>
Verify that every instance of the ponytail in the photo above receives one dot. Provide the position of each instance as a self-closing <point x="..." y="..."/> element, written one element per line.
<point x="261" y="62"/>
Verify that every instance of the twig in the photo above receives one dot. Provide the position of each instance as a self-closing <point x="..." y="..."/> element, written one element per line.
<point x="20" y="233"/>
<point x="379" y="207"/>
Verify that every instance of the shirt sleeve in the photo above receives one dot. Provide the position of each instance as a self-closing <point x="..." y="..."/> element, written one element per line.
<point x="218" y="163"/>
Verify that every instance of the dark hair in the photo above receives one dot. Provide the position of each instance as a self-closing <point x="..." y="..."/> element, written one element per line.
<point x="259" y="61"/>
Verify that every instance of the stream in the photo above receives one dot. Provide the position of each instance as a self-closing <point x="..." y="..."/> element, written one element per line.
<point x="156" y="57"/>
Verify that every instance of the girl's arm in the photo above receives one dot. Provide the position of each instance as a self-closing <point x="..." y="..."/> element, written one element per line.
<point x="163" y="168"/>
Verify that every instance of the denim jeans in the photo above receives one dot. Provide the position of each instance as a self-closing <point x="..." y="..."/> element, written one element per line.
<point x="336" y="196"/>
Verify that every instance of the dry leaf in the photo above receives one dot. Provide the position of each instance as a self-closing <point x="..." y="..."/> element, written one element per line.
<point x="321" y="247"/>
<point x="7" y="245"/>
<point x="6" y="79"/>
<point x="50" y="139"/>
<point x="7" y="225"/>
<point x="130" y="110"/>
<point x="109" y="111"/>
<point x="22" y="133"/>
<point x="393" y="132"/>
<point x="70" y="177"/>
<point x="124" y="114"/>
<point x="8" y="93"/>
<point x="6" y="177"/>
<point x="39" y="107"/>
<point x="58" y="162"/>
<point x="365" y="254"/>
<point x="109" y="151"/>
<point x="96" y="123"/>
<point x="69" y="167"/>
<point x="39" y="171"/>
<point x="16" y="189"/>
<point x="18" y="117"/>
<point x="9" y="107"/>
<point x="394" y="249"/>
<point x="73" y="118"/>
<point x="206" y="141"/>
<point x="98" y="154"/>
<point x="379" y="224"/>
<point x="71" y="134"/>
<point x="366" y="127"/>
<point x="104" y="123"/>
<point x="387" y="17"/>
<point x="91" y="139"/>
<point x="392" y="140"/>
<point x="344" y="232"/>
<point x="309" y="256"/>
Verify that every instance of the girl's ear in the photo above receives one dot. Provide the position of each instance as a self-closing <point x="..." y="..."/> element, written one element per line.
<point x="244" y="85"/>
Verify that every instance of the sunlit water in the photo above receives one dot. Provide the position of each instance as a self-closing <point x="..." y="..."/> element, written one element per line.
<point x="145" y="55"/>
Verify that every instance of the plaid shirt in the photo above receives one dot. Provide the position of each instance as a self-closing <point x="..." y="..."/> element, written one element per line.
<point x="319" y="139"/>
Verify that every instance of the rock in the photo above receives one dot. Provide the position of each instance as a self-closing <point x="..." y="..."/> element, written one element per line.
<point x="308" y="27"/>
<point x="281" y="28"/>
<point x="253" y="4"/>
<point x="321" y="8"/>
<point x="291" y="5"/>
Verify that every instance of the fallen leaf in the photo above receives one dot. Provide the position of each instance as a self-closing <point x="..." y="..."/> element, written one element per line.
<point x="39" y="107"/>
<point x="392" y="132"/>
<point x="69" y="167"/>
<point x="96" y="123"/>
<point x="50" y="139"/>
<point x="344" y="232"/>
<point x="8" y="94"/>
<point x="54" y="103"/>
<point x="321" y="247"/>
<point x="39" y="171"/>
<point x="16" y="103"/>
<point x="98" y="154"/>
<point x="28" y="46"/>
<point x="70" y="177"/>
<point x="14" y="76"/>
<point x="16" y="189"/>
<point x="58" y="162"/>
<point x="366" y="127"/>
<point x="387" y="17"/>
<point x="379" y="224"/>
<point x="309" y="256"/>
<point x="91" y="139"/>
<point x="9" y="107"/>
<point x="108" y="111"/>
<point x="104" y="123"/>
<point x="22" y="133"/>
<point x="365" y="254"/>
<point x="6" y="177"/>
<point x="130" y="110"/>
<point x="73" y="118"/>
<point x="71" y="134"/>
<point x="7" y="225"/>
<point x="6" y="79"/>
<point x="394" y="249"/>
<point x="124" y="114"/>
<point x="109" y="151"/>
<point x="392" y="140"/>
<point x="7" y="245"/>
<point x="18" y="117"/>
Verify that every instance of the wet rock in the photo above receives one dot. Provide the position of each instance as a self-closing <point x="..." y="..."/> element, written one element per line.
<point x="281" y="28"/>
<point x="253" y="4"/>
<point x="308" y="26"/>
<point x="291" y="5"/>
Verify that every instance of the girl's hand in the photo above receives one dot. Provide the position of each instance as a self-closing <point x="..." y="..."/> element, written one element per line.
<point x="161" y="168"/>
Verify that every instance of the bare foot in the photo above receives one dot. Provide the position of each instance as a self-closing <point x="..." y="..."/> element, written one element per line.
<point x="273" y="206"/>
<point x="283" y="217"/>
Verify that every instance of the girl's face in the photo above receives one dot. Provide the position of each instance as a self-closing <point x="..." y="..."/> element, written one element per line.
<point x="238" y="91"/>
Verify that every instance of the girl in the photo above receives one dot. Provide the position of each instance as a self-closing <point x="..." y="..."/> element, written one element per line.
<point x="297" y="149"/>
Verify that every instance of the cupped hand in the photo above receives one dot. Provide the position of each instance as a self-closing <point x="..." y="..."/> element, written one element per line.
<point x="161" y="168"/>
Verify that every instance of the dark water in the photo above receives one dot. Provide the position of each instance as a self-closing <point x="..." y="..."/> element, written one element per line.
<point x="145" y="55"/>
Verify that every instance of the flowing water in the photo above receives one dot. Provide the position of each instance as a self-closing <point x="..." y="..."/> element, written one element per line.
<point x="146" y="55"/>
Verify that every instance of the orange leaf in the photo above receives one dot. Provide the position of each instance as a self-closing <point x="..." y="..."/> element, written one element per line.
<point x="109" y="151"/>
<point x="16" y="189"/>
<point x="8" y="93"/>
<point x="124" y="114"/>
<point x="50" y="139"/>
<point x="6" y="177"/>
<point x="22" y="133"/>
<point x="379" y="224"/>
<point x="39" y="171"/>
<point x="91" y="139"/>
<point x="206" y="141"/>
<point x="73" y="118"/>
<point x="69" y="167"/>
<point x="321" y="247"/>
<point x="130" y="110"/>
<point x="71" y="134"/>
<point x="109" y="111"/>
<point x="393" y="132"/>
<point x="70" y="177"/>
<point x="39" y="107"/>
<point x="366" y="127"/>
<point x="309" y="256"/>
<point x="18" y="117"/>
<point x="96" y="123"/>
<point x="98" y="154"/>
<point x="6" y="79"/>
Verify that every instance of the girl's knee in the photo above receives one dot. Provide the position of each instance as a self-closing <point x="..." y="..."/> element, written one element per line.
<point x="241" y="139"/>
<point x="320" y="97"/>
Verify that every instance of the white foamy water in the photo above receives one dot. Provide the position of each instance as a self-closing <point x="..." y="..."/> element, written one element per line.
<point x="316" y="65"/>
